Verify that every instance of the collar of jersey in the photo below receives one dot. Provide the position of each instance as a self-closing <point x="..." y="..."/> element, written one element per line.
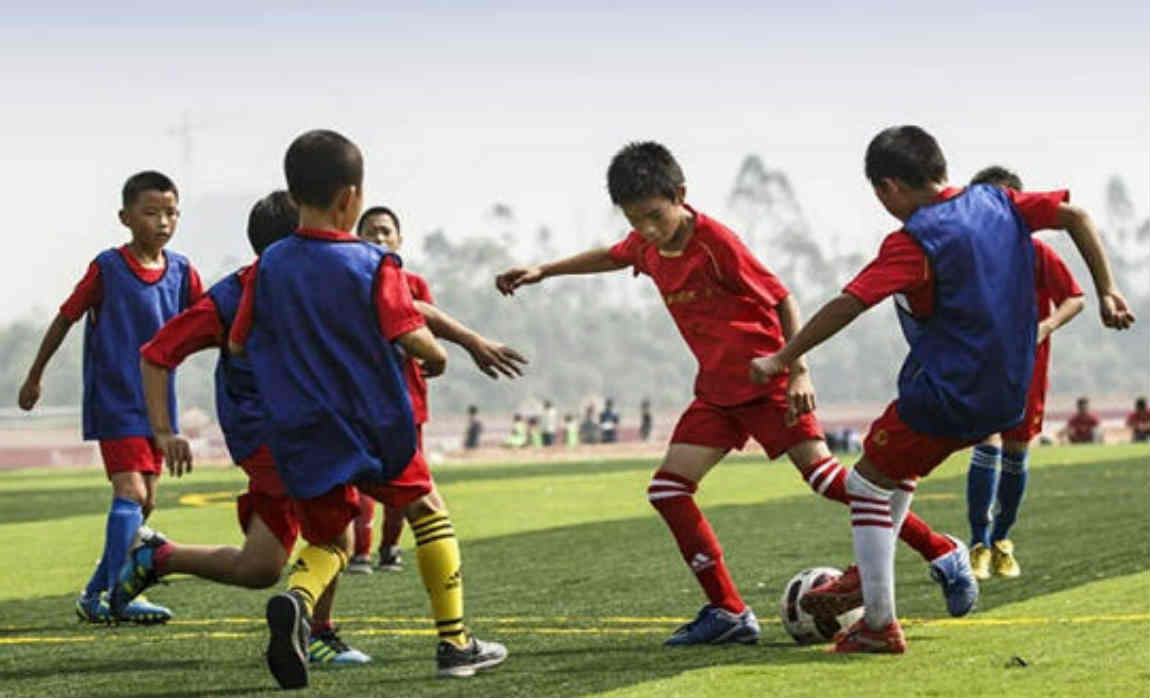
<point x="325" y="234"/>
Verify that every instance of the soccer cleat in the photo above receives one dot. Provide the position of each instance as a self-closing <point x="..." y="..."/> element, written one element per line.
<point x="327" y="648"/>
<point x="142" y="611"/>
<point x="1002" y="560"/>
<point x="980" y="561"/>
<point x="836" y="596"/>
<point x="94" y="609"/>
<point x="860" y="639"/>
<point x="959" y="586"/>
<point x="455" y="662"/>
<point x="714" y="625"/>
<point x="138" y="573"/>
<point x="287" y="653"/>
<point x="360" y="565"/>
<point x="390" y="559"/>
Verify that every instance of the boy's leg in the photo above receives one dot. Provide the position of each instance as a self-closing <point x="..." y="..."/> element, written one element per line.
<point x="389" y="559"/>
<point x="1011" y="490"/>
<point x="981" y="484"/>
<point x="362" y="535"/>
<point x="324" y="643"/>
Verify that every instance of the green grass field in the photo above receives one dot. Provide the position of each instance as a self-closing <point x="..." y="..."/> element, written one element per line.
<point x="571" y="569"/>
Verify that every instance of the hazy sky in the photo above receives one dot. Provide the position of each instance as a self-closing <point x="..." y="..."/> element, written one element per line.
<point x="458" y="106"/>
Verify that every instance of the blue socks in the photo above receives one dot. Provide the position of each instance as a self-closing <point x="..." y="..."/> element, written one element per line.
<point x="124" y="518"/>
<point x="1011" y="488"/>
<point x="981" y="484"/>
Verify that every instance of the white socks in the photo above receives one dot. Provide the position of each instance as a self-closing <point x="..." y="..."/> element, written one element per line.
<point x="873" y="527"/>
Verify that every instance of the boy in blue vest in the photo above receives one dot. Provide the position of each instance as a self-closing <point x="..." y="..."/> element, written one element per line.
<point x="962" y="270"/>
<point x="127" y="294"/>
<point x="323" y="318"/>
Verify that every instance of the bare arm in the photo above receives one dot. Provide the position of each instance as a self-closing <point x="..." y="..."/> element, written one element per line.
<point x="491" y="357"/>
<point x="57" y="331"/>
<point x="1068" y="309"/>
<point x="585" y="263"/>
<point x="1112" y="305"/>
<point x="422" y="344"/>
<point x="835" y="315"/>
<point x="800" y="388"/>
<point x="177" y="451"/>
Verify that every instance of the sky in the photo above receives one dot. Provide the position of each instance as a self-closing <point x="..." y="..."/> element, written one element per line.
<point x="461" y="105"/>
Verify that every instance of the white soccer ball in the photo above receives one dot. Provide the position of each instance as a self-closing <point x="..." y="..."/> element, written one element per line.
<point x="801" y="625"/>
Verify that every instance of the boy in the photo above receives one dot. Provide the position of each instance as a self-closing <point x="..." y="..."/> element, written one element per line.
<point x="1082" y="427"/>
<point x="380" y="225"/>
<point x="318" y="318"/>
<point x="729" y="309"/>
<point x="1139" y="421"/>
<point x="963" y="270"/>
<point x="127" y="294"/>
<point x="266" y="513"/>
<point x="1055" y="287"/>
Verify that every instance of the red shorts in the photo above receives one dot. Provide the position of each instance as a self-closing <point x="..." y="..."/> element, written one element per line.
<point x="411" y="485"/>
<point x="323" y="519"/>
<point x="901" y="452"/>
<point x="1031" y="424"/>
<point x="728" y="427"/>
<point x="131" y="454"/>
<point x="267" y="498"/>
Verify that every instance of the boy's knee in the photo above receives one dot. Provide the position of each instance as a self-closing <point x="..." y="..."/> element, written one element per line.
<point x="262" y="575"/>
<point x="428" y="504"/>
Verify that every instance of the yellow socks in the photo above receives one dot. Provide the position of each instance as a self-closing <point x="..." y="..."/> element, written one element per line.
<point x="439" y="566"/>
<point x="314" y="570"/>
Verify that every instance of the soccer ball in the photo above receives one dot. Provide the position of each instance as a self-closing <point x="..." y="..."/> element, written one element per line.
<point x="801" y="625"/>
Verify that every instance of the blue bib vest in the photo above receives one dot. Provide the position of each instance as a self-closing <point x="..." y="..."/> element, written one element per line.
<point x="331" y="384"/>
<point x="970" y="362"/>
<point x="129" y="314"/>
<point x="238" y="404"/>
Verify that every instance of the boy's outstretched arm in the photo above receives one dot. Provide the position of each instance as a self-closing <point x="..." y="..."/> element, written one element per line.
<point x="177" y="451"/>
<point x="585" y="263"/>
<point x="490" y="357"/>
<point x="1112" y="305"/>
<point x="422" y="344"/>
<point x="800" y="388"/>
<point x="57" y="331"/>
<point x="1063" y="313"/>
<point x="835" y="315"/>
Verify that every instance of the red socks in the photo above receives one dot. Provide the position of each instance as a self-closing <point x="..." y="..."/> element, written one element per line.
<point x="916" y="533"/>
<point x="671" y="495"/>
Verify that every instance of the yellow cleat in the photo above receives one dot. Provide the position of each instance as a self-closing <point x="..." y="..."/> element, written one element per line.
<point x="1003" y="561"/>
<point x="980" y="561"/>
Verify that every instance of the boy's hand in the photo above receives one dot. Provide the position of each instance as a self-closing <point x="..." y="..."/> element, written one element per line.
<point x="1045" y="328"/>
<point x="432" y="368"/>
<point x="177" y="452"/>
<point x="507" y="282"/>
<point x="763" y="368"/>
<point x="494" y="358"/>
<point x="800" y="395"/>
<point x="29" y="394"/>
<point x="1115" y="312"/>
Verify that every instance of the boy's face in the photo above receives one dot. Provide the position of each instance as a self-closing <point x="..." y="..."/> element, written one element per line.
<point x="152" y="218"/>
<point x="1083" y="406"/>
<point x="895" y="197"/>
<point x="382" y="230"/>
<point x="657" y="219"/>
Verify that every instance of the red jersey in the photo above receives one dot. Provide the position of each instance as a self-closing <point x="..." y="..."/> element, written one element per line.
<point x="1139" y="422"/>
<point x="723" y="301"/>
<point x="197" y="328"/>
<point x="1081" y="426"/>
<point x="89" y="290"/>
<point x="416" y="382"/>
<point x="902" y="266"/>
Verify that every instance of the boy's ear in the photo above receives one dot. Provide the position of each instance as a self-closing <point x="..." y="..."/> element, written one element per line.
<point x="123" y="214"/>
<point x="680" y="194"/>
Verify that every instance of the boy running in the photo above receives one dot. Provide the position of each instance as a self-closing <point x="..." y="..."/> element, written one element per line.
<point x="318" y="319"/>
<point x="962" y="268"/>
<point x="729" y="309"/>
<point x="1057" y="289"/>
<point x="127" y="294"/>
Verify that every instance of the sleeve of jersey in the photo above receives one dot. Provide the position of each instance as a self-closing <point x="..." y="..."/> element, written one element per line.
<point x="1056" y="275"/>
<point x="1039" y="209"/>
<point x="747" y="273"/>
<point x="242" y="323"/>
<point x="626" y="251"/>
<point x="422" y="291"/>
<point x="194" y="329"/>
<point x="396" y="309"/>
<point x="87" y="294"/>
<point x="195" y="286"/>
<point x="901" y="266"/>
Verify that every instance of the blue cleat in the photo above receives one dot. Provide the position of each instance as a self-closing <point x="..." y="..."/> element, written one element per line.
<point x="954" y="573"/>
<point x="715" y="625"/>
<point x="327" y="648"/>
<point x="94" y="609"/>
<point x="137" y="575"/>
<point x="142" y="611"/>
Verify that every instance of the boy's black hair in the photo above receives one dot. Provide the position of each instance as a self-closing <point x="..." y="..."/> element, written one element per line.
<point x="643" y="169"/>
<point x="997" y="175"/>
<point x="905" y="153"/>
<point x="1140" y="402"/>
<point x="376" y="211"/>
<point x="318" y="164"/>
<point x="146" y="180"/>
<point x="1082" y="399"/>
<point x="272" y="218"/>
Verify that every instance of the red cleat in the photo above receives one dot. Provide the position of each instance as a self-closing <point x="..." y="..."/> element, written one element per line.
<point x="836" y="596"/>
<point x="860" y="639"/>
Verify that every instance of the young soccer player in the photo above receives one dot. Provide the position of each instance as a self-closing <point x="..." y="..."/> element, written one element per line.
<point x="963" y="269"/>
<point x="127" y="294"/>
<point x="1056" y="287"/>
<point x="729" y="309"/>
<point x="266" y="513"/>
<point x="1139" y="421"/>
<point x="318" y="320"/>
